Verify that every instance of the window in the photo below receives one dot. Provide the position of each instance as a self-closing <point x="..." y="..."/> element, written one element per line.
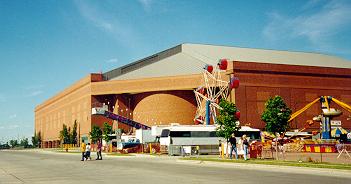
<point x="203" y="134"/>
<point x="165" y="133"/>
<point x="213" y="134"/>
<point x="180" y="134"/>
<point x="200" y="134"/>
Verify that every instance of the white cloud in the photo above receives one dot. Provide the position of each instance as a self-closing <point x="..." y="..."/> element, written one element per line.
<point x="310" y="4"/>
<point x="112" y="60"/>
<point x="146" y="4"/>
<point x="10" y="127"/>
<point x="35" y="93"/>
<point x="13" y="127"/>
<point x="318" y="28"/>
<point x="34" y="87"/>
<point x="106" y="21"/>
<point x="13" y="116"/>
<point x="91" y="14"/>
<point x="33" y="90"/>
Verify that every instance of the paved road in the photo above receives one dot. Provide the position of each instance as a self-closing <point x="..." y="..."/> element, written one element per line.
<point x="47" y="167"/>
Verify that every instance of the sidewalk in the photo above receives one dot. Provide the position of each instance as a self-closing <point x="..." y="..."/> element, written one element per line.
<point x="315" y="157"/>
<point x="273" y="168"/>
<point x="300" y="156"/>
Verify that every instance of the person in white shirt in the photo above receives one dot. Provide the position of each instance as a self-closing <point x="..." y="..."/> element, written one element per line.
<point x="87" y="152"/>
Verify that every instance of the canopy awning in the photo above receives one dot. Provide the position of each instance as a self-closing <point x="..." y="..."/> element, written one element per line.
<point x="336" y="132"/>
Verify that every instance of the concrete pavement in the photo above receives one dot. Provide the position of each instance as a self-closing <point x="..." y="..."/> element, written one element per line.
<point x="50" y="167"/>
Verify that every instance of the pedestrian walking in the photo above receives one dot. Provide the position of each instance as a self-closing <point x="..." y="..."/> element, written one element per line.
<point x="82" y="149"/>
<point x="281" y="145"/>
<point x="98" y="151"/>
<point x="245" y="146"/>
<point x="220" y="148"/>
<point x="87" y="152"/>
<point x="232" y="141"/>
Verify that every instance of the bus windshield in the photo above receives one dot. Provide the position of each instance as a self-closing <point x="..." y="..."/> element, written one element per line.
<point x="165" y="133"/>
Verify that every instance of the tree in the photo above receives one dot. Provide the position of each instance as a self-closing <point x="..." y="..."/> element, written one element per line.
<point x="35" y="140"/>
<point x="13" y="143"/>
<point x="74" y="134"/>
<point x="64" y="134"/>
<point x="5" y="146"/>
<point x="276" y="116"/>
<point x="24" y="142"/>
<point x="95" y="133"/>
<point x="107" y="131"/>
<point x="227" y="120"/>
<point x="39" y="139"/>
<point x="69" y="136"/>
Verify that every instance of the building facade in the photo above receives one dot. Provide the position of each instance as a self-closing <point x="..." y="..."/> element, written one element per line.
<point x="158" y="90"/>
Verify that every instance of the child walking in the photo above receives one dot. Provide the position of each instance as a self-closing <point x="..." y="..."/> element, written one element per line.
<point x="87" y="152"/>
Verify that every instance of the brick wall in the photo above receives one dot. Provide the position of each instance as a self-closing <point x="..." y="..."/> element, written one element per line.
<point x="154" y="108"/>
<point x="73" y="103"/>
<point x="298" y="85"/>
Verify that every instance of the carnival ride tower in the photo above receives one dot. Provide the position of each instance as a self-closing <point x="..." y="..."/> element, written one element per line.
<point x="214" y="88"/>
<point x="327" y="115"/>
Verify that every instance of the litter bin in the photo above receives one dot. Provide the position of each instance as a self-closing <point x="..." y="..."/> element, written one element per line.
<point x="255" y="150"/>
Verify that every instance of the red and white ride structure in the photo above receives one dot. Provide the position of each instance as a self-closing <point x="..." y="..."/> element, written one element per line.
<point x="215" y="87"/>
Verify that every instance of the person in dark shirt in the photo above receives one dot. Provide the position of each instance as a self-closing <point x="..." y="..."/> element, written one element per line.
<point x="98" y="151"/>
<point x="245" y="146"/>
<point x="232" y="141"/>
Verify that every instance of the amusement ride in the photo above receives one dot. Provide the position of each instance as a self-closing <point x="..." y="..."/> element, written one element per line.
<point x="327" y="114"/>
<point x="214" y="88"/>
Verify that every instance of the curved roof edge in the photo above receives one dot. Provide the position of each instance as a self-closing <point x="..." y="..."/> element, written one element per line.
<point x="210" y="54"/>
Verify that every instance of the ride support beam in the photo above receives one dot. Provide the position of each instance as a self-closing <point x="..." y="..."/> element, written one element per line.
<point x="208" y="112"/>
<point x="293" y="116"/>
<point x="342" y="104"/>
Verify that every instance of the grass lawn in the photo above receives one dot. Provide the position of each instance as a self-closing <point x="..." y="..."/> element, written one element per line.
<point x="278" y="162"/>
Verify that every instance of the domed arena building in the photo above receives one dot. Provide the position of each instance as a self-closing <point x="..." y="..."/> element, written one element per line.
<point x="159" y="89"/>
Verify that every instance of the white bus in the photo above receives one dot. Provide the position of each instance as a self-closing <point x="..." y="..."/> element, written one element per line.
<point x="177" y="140"/>
<point x="185" y="138"/>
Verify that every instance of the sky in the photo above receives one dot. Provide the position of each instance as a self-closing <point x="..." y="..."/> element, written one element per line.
<point x="47" y="45"/>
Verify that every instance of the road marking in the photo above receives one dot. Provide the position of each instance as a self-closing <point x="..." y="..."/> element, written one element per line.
<point x="19" y="179"/>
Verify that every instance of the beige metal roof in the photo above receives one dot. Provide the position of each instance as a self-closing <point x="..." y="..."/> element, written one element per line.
<point x="179" y="64"/>
<point x="190" y="59"/>
<point x="266" y="56"/>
